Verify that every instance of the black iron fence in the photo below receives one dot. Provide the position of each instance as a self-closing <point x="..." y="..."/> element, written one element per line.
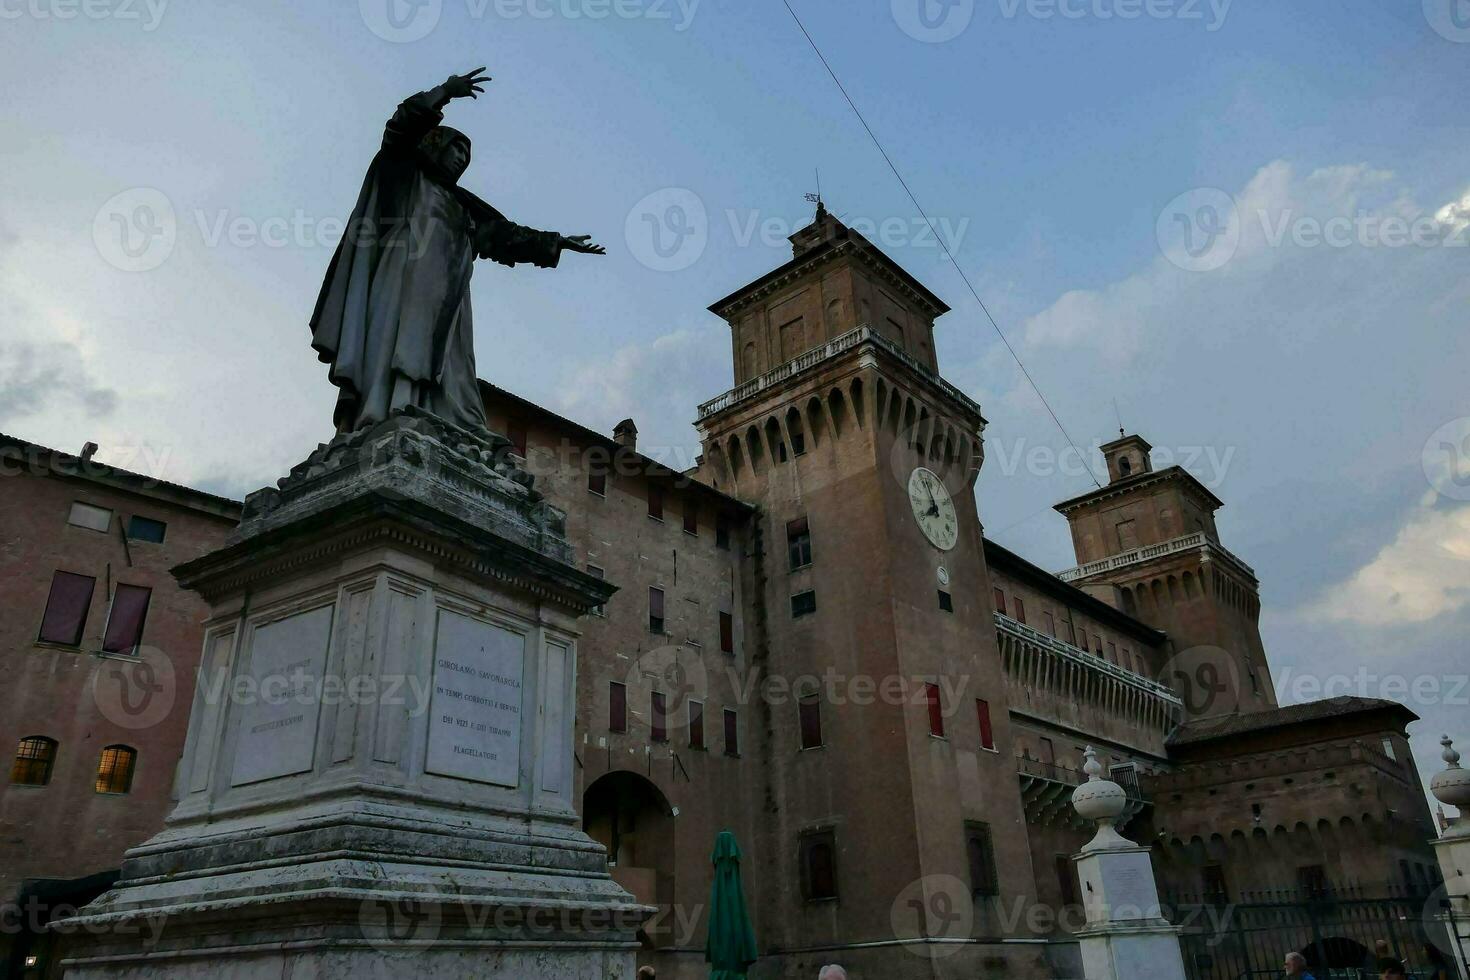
<point x="1344" y="933"/>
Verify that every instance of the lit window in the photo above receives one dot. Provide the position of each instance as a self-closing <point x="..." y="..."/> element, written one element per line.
<point x="125" y="621"/>
<point x="819" y="866"/>
<point x="115" y="770"/>
<point x="34" y="758"/>
<point x="799" y="543"/>
<point x="146" y="529"/>
<point x="655" y="610"/>
<point x="936" y="710"/>
<point x="89" y="517"/>
<point x="66" y="608"/>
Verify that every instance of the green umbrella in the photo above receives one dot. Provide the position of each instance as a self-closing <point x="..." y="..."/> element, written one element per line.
<point x="730" y="949"/>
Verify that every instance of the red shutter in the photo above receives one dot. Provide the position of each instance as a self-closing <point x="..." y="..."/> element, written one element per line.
<point x="727" y="633"/>
<point x="987" y="734"/>
<point x="125" y="624"/>
<point x="617" y="707"/>
<point x="1000" y="601"/>
<point x="936" y="710"/>
<point x="1020" y="610"/>
<point x="66" y="608"/>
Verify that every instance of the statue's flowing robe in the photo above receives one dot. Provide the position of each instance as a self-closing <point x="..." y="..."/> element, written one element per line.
<point x="393" y="318"/>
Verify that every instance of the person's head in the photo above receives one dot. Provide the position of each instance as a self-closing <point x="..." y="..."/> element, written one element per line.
<point x="1296" y="964"/>
<point x="646" y="973"/>
<point x="449" y="148"/>
<point x="1392" y="970"/>
<point x="832" y="972"/>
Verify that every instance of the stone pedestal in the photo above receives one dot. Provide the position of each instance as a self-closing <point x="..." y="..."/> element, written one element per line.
<point x="377" y="780"/>
<point x="1126" y="935"/>
<point x="1452" y="787"/>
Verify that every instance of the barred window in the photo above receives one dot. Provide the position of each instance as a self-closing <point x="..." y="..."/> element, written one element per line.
<point x="115" y="769"/>
<point x="34" y="758"/>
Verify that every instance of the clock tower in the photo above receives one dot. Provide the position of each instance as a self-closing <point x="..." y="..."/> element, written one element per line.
<point x="879" y="710"/>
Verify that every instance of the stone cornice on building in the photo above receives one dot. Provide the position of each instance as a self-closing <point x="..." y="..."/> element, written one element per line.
<point x="1198" y="541"/>
<point x="845" y="243"/>
<point x="18" y="456"/>
<point x="863" y="337"/>
<point x="1189" y="484"/>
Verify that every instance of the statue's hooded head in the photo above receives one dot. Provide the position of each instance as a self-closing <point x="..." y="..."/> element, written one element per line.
<point x="449" y="149"/>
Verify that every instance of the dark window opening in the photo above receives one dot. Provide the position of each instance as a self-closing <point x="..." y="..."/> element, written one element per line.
<point x="1066" y="879"/>
<point x="696" y="724"/>
<point x="658" y="718"/>
<point x="655" y="610"/>
<point x="597" y="483"/>
<point x="946" y="601"/>
<point x="1215" y="889"/>
<point x="809" y="713"/>
<point x="819" y="866"/>
<point x="515" y="431"/>
<point x="34" y="759"/>
<point x="597" y="572"/>
<point x="980" y="850"/>
<point x="146" y="529"/>
<point x="732" y="733"/>
<point x="617" y="707"/>
<point x="799" y="543"/>
<point x="115" y="769"/>
<point x="1000" y="600"/>
<point x="1020" y="609"/>
<point x="655" y="502"/>
<point x="727" y="633"/>
<point x="691" y="517"/>
<point x="1312" y="881"/>
<point x="722" y="532"/>
<point x="66" y="608"/>
<point x="798" y="442"/>
<point x="803" y="603"/>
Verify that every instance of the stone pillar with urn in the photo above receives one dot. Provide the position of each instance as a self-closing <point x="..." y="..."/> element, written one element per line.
<point x="1452" y="788"/>
<point x="1126" y="935"/>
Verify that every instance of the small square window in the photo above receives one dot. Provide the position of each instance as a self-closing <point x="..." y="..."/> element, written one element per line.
<point x="115" y="769"/>
<point x="34" y="759"/>
<point x="89" y="517"/>
<point x="146" y="529"/>
<point x="946" y="601"/>
<point x="803" y="603"/>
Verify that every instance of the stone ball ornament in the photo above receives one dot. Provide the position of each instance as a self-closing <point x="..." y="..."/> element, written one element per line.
<point x="1452" y="785"/>
<point x="1101" y="801"/>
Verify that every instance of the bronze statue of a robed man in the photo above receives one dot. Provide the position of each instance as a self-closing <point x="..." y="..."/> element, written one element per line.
<point x="393" y="318"/>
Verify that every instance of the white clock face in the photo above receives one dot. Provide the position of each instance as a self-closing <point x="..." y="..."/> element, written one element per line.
<point x="933" y="509"/>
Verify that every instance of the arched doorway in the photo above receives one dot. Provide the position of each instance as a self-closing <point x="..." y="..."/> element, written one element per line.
<point x="632" y="818"/>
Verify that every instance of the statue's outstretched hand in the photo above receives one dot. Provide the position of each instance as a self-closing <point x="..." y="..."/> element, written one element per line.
<point x="583" y="244"/>
<point x="471" y="85"/>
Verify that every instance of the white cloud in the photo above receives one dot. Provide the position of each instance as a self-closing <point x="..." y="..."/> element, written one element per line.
<point x="1422" y="574"/>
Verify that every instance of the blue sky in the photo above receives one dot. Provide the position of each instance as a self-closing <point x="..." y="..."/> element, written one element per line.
<point x="1306" y="381"/>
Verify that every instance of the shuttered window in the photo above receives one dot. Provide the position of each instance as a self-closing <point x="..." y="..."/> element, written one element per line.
<point x="66" y="608"/>
<point x="125" y="622"/>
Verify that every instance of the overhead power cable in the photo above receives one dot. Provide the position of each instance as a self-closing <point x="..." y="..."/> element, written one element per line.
<point x="942" y="243"/>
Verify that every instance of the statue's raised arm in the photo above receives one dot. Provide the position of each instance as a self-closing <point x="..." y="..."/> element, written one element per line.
<point x="393" y="319"/>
